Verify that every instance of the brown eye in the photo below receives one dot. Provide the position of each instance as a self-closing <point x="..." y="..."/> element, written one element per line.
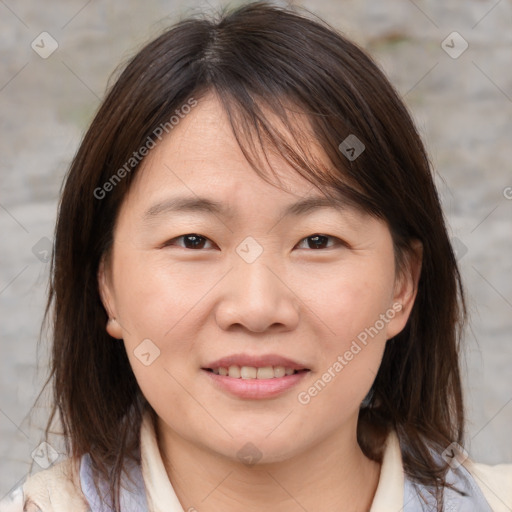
<point x="318" y="241"/>
<point x="190" y="241"/>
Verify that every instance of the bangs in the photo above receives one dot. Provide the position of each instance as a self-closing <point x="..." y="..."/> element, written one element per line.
<point x="287" y="129"/>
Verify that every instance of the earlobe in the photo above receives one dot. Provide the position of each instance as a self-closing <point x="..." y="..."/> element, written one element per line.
<point x="113" y="327"/>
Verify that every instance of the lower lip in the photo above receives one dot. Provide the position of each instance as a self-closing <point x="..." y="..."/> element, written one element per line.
<point x="255" y="389"/>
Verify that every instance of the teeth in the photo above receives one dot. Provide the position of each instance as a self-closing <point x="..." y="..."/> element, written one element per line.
<point x="279" y="371"/>
<point x="251" y="372"/>
<point x="248" y="372"/>
<point x="234" y="371"/>
<point x="266" y="372"/>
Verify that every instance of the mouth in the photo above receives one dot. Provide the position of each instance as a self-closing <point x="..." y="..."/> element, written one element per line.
<point x="247" y="376"/>
<point x="254" y="377"/>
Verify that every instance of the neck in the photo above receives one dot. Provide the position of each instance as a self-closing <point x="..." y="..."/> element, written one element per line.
<point x="333" y="475"/>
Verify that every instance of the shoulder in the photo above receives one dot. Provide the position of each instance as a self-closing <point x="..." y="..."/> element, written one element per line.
<point x="471" y="486"/>
<point x="56" y="489"/>
<point x="495" y="483"/>
<point x="475" y="487"/>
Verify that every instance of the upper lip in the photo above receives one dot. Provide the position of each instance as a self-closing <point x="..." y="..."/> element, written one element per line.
<point x="258" y="361"/>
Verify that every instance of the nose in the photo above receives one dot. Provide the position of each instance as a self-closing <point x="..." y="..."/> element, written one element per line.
<point x="257" y="297"/>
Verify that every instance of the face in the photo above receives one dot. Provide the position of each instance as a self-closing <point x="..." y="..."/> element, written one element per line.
<point x="206" y="298"/>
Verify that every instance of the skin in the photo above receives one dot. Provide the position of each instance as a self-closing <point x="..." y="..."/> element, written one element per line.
<point x="197" y="305"/>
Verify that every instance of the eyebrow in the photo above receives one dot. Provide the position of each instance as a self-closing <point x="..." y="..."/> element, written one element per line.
<point x="208" y="206"/>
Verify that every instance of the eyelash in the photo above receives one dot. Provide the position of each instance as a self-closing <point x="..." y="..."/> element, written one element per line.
<point x="171" y="242"/>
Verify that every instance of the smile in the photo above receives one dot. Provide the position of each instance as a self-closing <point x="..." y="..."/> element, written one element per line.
<point x="258" y="384"/>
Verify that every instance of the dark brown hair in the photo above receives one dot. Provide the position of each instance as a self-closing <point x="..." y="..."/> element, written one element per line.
<point x="261" y="59"/>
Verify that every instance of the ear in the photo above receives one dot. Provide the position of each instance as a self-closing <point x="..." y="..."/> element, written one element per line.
<point x="406" y="288"/>
<point x="107" y="298"/>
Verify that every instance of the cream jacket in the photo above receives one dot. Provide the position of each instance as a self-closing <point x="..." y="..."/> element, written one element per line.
<point x="61" y="488"/>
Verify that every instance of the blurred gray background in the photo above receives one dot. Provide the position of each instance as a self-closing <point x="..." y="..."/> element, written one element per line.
<point x="460" y="99"/>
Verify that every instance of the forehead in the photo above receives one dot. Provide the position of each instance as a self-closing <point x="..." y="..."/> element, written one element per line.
<point x="202" y="153"/>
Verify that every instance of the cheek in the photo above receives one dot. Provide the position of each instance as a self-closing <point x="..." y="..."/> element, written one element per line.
<point x="156" y="309"/>
<point x="352" y="302"/>
<point x="154" y="295"/>
<point x="335" y="396"/>
<point x="351" y="350"/>
<point x="354" y="310"/>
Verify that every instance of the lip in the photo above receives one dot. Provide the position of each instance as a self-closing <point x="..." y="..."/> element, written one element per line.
<point x="255" y="389"/>
<point x="257" y="361"/>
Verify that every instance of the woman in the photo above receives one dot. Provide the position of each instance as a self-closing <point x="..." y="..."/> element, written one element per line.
<point x="255" y="301"/>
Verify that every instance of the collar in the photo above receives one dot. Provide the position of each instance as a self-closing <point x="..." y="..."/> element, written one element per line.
<point x="159" y="491"/>
<point x="162" y="498"/>
<point x="390" y="489"/>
